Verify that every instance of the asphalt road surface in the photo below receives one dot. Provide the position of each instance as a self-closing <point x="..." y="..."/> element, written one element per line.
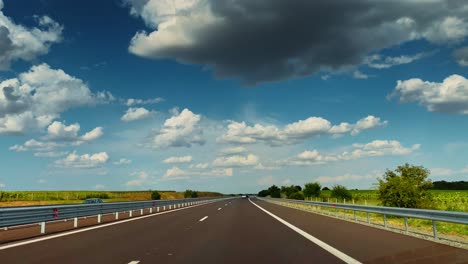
<point x="234" y="231"/>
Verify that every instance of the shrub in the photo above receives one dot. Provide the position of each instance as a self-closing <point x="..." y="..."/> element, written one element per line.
<point x="340" y="192"/>
<point x="297" y="196"/>
<point x="274" y="191"/>
<point x="263" y="193"/>
<point x="312" y="189"/>
<point x="155" y="195"/>
<point x="406" y="187"/>
<point x="288" y="190"/>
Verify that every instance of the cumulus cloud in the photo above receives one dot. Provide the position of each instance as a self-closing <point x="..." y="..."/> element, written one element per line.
<point x="236" y="161"/>
<point x="356" y="151"/>
<point x="133" y="101"/>
<point x="122" y="161"/>
<point x="233" y="151"/>
<point x="181" y="130"/>
<point x="181" y="159"/>
<point x="140" y="179"/>
<point x="200" y="166"/>
<point x="461" y="56"/>
<point x="175" y="173"/>
<point x="241" y="133"/>
<point x="450" y="96"/>
<point x="345" y="178"/>
<point x="135" y="113"/>
<point x="50" y="154"/>
<point x="279" y="46"/>
<point x="37" y="97"/>
<point x="18" y="42"/>
<point x="85" y="161"/>
<point x="379" y="61"/>
<point x="360" y="75"/>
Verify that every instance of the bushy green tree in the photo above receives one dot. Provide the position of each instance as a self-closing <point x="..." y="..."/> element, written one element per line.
<point x="341" y="192"/>
<point x="190" y="194"/>
<point x="297" y="196"/>
<point x="155" y="195"/>
<point x="263" y="193"/>
<point x="406" y="187"/>
<point x="325" y="188"/>
<point x="274" y="191"/>
<point x="312" y="189"/>
<point x="288" y="190"/>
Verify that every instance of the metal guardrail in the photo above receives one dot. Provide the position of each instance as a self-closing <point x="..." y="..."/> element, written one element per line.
<point x="15" y="216"/>
<point x="433" y="215"/>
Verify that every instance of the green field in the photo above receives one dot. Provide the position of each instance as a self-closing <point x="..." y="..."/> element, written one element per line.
<point x="20" y="198"/>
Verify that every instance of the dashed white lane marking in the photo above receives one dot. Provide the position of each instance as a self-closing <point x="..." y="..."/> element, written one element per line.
<point x="335" y="252"/>
<point x="203" y="219"/>
<point x="95" y="227"/>
<point x="219" y="208"/>
<point x="225" y="204"/>
<point x="134" y="262"/>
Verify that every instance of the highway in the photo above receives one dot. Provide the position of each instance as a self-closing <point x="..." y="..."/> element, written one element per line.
<point x="234" y="231"/>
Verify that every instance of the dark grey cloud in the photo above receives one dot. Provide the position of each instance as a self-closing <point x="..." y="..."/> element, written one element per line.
<point x="270" y="40"/>
<point x="461" y="56"/>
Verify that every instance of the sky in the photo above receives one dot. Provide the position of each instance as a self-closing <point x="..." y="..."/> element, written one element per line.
<point x="230" y="95"/>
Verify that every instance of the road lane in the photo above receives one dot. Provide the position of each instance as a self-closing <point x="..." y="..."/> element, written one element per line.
<point x="368" y="244"/>
<point x="239" y="233"/>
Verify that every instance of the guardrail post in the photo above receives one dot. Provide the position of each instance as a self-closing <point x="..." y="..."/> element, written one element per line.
<point x="169" y="207"/>
<point x="42" y="227"/>
<point x="434" y="228"/>
<point x="385" y="220"/>
<point x="75" y="222"/>
<point x="130" y="213"/>
<point x="151" y="210"/>
<point x="157" y="209"/>
<point x="141" y="211"/>
<point x="116" y="215"/>
<point x="164" y="208"/>
<point x="406" y="224"/>
<point x="99" y="218"/>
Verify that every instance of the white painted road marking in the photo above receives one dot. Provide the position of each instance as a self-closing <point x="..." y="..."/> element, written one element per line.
<point x="134" y="262"/>
<point x="219" y="208"/>
<point x="203" y="219"/>
<point x="335" y="252"/>
<point x="94" y="227"/>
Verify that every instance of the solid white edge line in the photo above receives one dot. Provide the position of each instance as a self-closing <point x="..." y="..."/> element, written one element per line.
<point x="95" y="227"/>
<point x="203" y="219"/>
<point x="134" y="262"/>
<point x="335" y="252"/>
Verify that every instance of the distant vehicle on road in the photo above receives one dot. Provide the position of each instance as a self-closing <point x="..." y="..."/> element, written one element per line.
<point x="244" y="196"/>
<point x="92" y="201"/>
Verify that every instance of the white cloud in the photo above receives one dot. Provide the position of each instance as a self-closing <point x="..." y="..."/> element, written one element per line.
<point x="450" y="96"/>
<point x="200" y="166"/>
<point x="357" y="151"/>
<point x="132" y="101"/>
<point x="141" y="178"/>
<point x="346" y="177"/>
<point x="441" y="172"/>
<point x="50" y="154"/>
<point x="175" y="173"/>
<point x="236" y="161"/>
<point x="135" y="113"/>
<point x="378" y="61"/>
<point x="360" y="75"/>
<point x="20" y="42"/>
<point x="182" y="159"/>
<point x="99" y="186"/>
<point x="122" y="161"/>
<point x="260" y="166"/>
<point x="233" y="151"/>
<point x="33" y="144"/>
<point x="181" y="130"/>
<point x="2" y="185"/>
<point x="85" y="161"/>
<point x="93" y="134"/>
<point x="37" y="97"/>
<point x="240" y="133"/>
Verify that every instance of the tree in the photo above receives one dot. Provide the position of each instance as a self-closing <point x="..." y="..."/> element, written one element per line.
<point x="340" y="192"/>
<point x="263" y="193"/>
<point x="406" y="187"/>
<point x="155" y="195"/>
<point x="325" y="188"/>
<point x="190" y="194"/>
<point x="274" y="191"/>
<point x="312" y="189"/>
<point x="297" y="196"/>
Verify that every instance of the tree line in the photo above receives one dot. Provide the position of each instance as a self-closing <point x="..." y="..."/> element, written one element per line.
<point x="407" y="186"/>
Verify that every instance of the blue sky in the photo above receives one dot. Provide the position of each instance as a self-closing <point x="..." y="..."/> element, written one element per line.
<point x="229" y="96"/>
